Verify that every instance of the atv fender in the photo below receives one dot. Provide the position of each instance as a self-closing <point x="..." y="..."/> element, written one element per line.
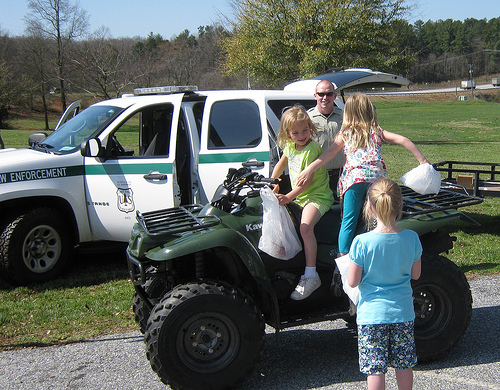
<point x="425" y="223"/>
<point x="202" y="240"/>
<point x="221" y="237"/>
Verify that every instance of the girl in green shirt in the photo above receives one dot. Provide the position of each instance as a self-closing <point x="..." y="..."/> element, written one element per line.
<point x="299" y="150"/>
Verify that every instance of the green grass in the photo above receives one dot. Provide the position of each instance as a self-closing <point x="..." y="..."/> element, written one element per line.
<point x="95" y="297"/>
<point x="455" y="130"/>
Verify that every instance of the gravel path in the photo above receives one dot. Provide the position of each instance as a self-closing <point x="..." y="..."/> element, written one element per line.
<point x="318" y="356"/>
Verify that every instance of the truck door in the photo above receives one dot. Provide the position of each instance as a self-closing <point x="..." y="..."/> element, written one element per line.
<point x="138" y="171"/>
<point x="232" y="132"/>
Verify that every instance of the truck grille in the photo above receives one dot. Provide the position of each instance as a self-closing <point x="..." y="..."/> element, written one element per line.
<point x="175" y="220"/>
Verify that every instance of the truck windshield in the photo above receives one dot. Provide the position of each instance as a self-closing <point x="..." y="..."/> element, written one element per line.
<point x="83" y="126"/>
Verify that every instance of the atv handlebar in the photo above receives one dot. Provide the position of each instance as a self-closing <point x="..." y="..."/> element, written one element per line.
<point x="228" y="195"/>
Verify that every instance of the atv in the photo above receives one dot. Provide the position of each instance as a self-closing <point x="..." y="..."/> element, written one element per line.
<point x="204" y="291"/>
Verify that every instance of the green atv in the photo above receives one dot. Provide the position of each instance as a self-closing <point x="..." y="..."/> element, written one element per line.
<point x="204" y="291"/>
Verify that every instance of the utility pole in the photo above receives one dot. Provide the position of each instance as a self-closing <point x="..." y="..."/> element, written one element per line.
<point x="471" y="70"/>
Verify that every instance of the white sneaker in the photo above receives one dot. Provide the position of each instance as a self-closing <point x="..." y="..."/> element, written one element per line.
<point x="305" y="287"/>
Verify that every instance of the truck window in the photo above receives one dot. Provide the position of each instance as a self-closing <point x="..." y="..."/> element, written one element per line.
<point x="279" y="105"/>
<point x="145" y="133"/>
<point x="198" y="115"/>
<point x="234" y="124"/>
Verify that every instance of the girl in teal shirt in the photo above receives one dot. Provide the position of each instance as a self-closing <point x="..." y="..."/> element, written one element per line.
<point x="383" y="262"/>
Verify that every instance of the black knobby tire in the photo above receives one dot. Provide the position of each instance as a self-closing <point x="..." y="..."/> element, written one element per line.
<point x="155" y="289"/>
<point x="204" y="336"/>
<point x="35" y="246"/>
<point x="443" y="307"/>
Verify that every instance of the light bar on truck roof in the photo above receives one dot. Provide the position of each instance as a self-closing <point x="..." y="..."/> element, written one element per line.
<point x="165" y="90"/>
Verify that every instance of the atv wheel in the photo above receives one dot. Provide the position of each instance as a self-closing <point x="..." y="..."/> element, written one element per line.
<point x="155" y="289"/>
<point x="35" y="246"/>
<point x="204" y="336"/>
<point x="443" y="307"/>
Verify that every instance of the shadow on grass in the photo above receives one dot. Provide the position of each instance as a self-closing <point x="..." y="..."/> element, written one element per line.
<point x="86" y="269"/>
<point x="479" y="268"/>
<point x="490" y="224"/>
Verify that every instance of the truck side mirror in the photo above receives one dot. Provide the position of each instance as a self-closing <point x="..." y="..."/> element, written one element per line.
<point x="91" y="148"/>
<point x="36" y="137"/>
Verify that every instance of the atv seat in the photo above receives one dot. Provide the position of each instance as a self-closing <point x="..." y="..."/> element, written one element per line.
<point x="327" y="229"/>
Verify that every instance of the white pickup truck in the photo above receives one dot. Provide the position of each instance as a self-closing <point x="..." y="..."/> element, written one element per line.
<point x="154" y="149"/>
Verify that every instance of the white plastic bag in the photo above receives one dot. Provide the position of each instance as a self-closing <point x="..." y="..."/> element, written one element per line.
<point x="423" y="179"/>
<point x="279" y="238"/>
<point x="343" y="266"/>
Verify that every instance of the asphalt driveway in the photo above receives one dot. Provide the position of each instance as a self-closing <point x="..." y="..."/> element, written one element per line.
<point x="318" y="356"/>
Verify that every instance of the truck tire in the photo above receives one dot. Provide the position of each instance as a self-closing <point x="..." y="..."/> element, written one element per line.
<point x="204" y="336"/>
<point x="35" y="246"/>
<point x="155" y="289"/>
<point x="443" y="307"/>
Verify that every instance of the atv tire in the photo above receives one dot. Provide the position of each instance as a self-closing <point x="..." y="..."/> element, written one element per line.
<point x="443" y="307"/>
<point x="204" y="336"/>
<point x="35" y="246"/>
<point x="155" y="288"/>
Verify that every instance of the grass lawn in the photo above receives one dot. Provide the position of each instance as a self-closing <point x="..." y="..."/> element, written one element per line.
<point x="95" y="297"/>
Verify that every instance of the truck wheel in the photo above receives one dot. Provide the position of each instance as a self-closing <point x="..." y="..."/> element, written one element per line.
<point x="155" y="288"/>
<point x="35" y="246"/>
<point x="204" y="336"/>
<point x="443" y="307"/>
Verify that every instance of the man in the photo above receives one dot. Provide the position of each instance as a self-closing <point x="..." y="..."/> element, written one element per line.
<point x="327" y="118"/>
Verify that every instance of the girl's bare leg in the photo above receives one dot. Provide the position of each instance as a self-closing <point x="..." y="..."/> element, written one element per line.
<point x="376" y="382"/>
<point x="405" y="379"/>
<point x="310" y="217"/>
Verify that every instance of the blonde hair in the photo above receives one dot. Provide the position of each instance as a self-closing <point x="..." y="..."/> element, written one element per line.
<point x="386" y="200"/>
<point x="359" y="121"/>
<point x="292" y="115"/>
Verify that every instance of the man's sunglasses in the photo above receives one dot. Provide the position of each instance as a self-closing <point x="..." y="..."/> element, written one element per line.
<point x="321" y="94"/>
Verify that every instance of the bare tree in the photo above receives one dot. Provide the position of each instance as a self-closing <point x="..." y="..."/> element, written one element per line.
<point x="7" y="84"/>
<point x="106" y="67"/>
<point x="61" y="22"/>
<point x="36" y="53"/>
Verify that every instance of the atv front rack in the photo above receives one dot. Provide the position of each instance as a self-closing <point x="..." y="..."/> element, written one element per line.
<point x="175" y="220"/>
<point x="415" y="204"/>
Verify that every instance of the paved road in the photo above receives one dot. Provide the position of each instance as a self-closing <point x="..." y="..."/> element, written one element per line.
<point x="311" y="357"/>
<point x="457" y="90"/>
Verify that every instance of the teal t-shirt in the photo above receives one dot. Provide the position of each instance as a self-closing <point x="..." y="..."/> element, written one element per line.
<point x="319" y="190"/>
<point x="385" y="288"/>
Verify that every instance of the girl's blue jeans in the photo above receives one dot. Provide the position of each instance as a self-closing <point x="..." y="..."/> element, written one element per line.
<point x="353" y="201"/>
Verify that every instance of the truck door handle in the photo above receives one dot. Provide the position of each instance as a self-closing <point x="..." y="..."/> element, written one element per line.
<point x="155" y="176"/>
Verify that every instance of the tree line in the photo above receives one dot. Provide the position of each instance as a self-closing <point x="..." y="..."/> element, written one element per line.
<point x="268" y="44"/>
<point x="450" y="49"/>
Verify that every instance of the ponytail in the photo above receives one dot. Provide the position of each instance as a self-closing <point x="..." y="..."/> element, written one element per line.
<point x="386" y="200"/>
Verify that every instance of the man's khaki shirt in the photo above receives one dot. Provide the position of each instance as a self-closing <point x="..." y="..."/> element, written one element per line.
<point x="328" y="127"/>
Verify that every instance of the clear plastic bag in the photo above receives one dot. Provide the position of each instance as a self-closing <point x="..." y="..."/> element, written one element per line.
<point x="279" y="238"/>
<point x="423" y="179"/>
<point x="343" y="266"/>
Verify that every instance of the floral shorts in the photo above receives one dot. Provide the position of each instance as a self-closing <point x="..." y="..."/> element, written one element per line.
<point x="386" y="345"/>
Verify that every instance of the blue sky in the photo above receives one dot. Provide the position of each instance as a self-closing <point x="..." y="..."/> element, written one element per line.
<point x="130" y="18"/>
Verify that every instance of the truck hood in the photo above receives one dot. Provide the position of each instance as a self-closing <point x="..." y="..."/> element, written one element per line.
<point x="14" y="160"/>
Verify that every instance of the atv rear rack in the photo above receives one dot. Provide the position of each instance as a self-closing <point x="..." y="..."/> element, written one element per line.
<point x="415" y="204"/>
<point x="175" y="220"/>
